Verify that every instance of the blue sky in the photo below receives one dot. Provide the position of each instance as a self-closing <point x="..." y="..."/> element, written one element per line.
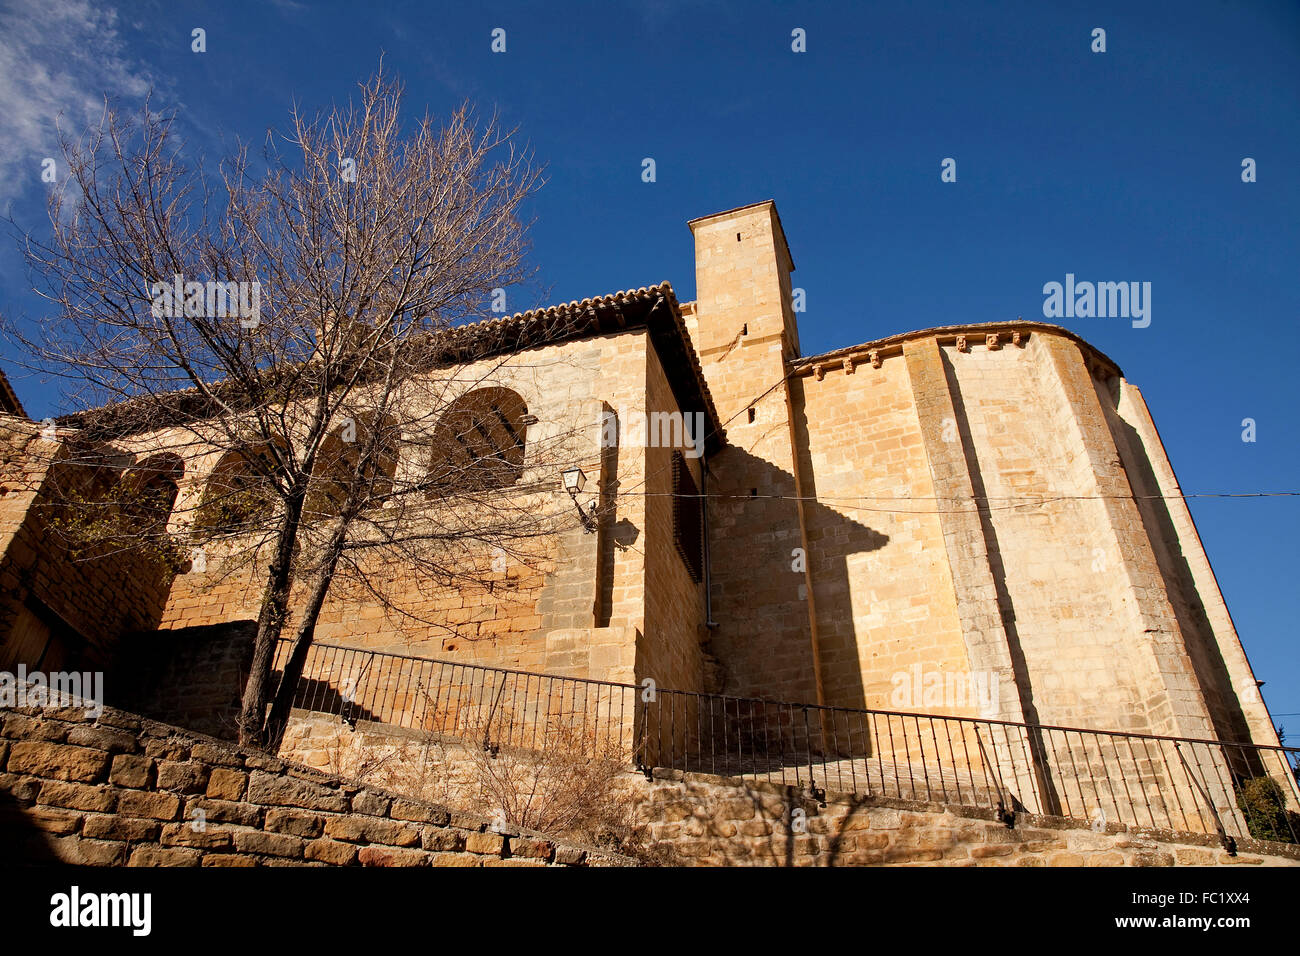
<point x="1123" y="165"/>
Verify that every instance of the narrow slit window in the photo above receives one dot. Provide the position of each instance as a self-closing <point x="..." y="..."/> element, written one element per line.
<point x="688" y="518"/>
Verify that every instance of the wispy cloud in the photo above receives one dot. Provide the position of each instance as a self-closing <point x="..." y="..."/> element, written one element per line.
<point x="58" y="60"/>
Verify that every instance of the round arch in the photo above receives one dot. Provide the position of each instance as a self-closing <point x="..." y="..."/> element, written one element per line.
<point x="240" y="492"/>
<point x="479" y="443"/>
<point x="338" y="467"/>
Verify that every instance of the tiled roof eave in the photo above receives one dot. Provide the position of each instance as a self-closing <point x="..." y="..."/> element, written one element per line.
<point x="599" y="315"/>
<point x="805" y="365"/>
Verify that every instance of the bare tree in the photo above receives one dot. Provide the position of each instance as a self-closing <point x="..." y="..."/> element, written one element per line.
<point x="309" y="323"/>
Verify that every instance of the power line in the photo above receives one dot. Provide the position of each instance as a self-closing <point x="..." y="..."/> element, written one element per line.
<point x="1046" y="497"/>
<point x="844" y="501"/>
<point x="1016" y="501"/>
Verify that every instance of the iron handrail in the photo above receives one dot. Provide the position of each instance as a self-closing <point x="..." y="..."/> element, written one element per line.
<point x="830" y="708"/>
<point x="1043" y="768"/>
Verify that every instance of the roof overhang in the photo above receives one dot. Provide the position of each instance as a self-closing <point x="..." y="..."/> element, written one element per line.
<point x="653" y="308"/>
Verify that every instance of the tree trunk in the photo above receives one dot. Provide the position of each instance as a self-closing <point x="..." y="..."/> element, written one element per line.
<point x="278" y="719"/>
<point x="270" y="623"/>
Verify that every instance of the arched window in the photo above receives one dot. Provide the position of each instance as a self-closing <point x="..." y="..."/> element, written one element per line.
<point x="339" y="468"/>
<point x="240" y="492"/>
<point x="149" y="493"/>
<point x="479" y="442"/>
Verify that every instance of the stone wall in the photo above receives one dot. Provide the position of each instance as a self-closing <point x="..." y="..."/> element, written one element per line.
<point x="485" y="621"/>
<point x="120" y="790"/>
<point x="551" y="583"/>
<point x="1026" y="469"/>
<point x="674" y="603"/>
<point x="1223" y="673"/>
<point x="531" y="614"/>
<point x="705" y="820"/>
<point x="965" y="480"/>
<point x="71" y="608"/>
<point x="885" y="598"/>
<point x="192" y="676"/>
<point x="1081" y="664"/>
<point x="716" y="821"/>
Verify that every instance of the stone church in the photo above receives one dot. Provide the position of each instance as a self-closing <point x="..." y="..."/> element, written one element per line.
<point x="980" y="505"/>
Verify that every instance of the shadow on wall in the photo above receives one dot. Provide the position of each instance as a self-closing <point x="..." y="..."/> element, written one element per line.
<point x="773" y="826"/>
<point x="1006" y="609"/>
<point x="1189" y="609"/>
<point x="22" y="840"/>
<point x="194" y="677"/>
<point x="620" y="536"/>
<point x="323" y="697"/>
<point x="191" y="676"/>
<point x="759" y="589"/>
<point x="66" y="597"/>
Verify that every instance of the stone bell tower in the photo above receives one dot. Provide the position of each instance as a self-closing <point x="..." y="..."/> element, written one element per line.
<point x="743" y="325"/>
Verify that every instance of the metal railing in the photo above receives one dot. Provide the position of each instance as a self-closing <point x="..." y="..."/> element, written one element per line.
<point x="1234" y="790"/>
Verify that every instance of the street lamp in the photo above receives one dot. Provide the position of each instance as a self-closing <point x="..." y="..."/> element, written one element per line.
<point x="574" y="481"/>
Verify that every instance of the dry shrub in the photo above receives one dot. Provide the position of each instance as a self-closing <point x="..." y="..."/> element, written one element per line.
<point x="568" y="784"/>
